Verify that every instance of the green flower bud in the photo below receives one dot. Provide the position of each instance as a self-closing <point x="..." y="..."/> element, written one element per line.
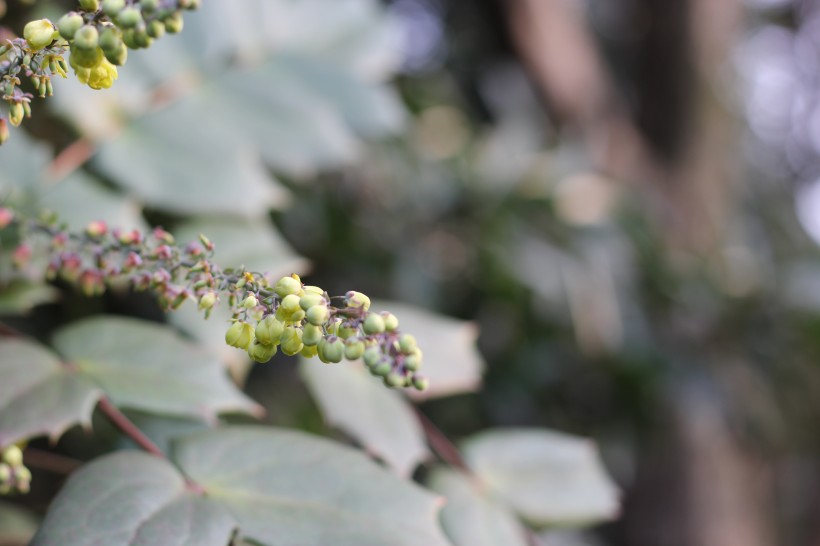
<point x="291" y="340"/>
<point x="347" y="329"/>
<point x="373" y="324"/>
<point x="250" y="302"/>
<point x="309" y="351"/>
<point x="13" y="456"/>
<point x="110" y="39"/>
<point x="371" y="356"/>
<point x="309" y="300"/>
<point x="332" y="327"/>
<point x="129" y="18"/>
<point x="314" y="290"/>
<point x="4" y="131"/>
<point x="290" y="304"/>
<point x="207" y="301"/>
<point x="420" y="382"/>
<point x="69" y="24"/>
<point x="240" y="335"/>
<point x="383" y="367"/>
<point x="39" y="34"/>
<point x="129" y="38"/>
<point x="90" y="5"/>
<point x="117" y="57"/>
<point x="413" y="361"/>
<point x="407" y="344"/>
<point x="189" y="4"/>
<point x="331" y="350"/>
<point x="261" y="352"/>
<point x="287" y="286"/>
<point x="357" y="300"/>
<point x="5" y="473"/>
<point x="174" y="23"/>
<point x="149" y="6"/>
<point x="354" y="348"/>
<point x="269" y="330"/>
<point x="82" y="58"/>
<point x="391" y="323"/>
<point x="113" y="7"/>
<point x="87" y="38"/>
<point x="318" y="314"/>
<point x="312" y="335"/>
<point x="142" y="38"/>
<point x="155" y="29"/>
<point x="394" y="379"/>
<point x="16" y="113"/>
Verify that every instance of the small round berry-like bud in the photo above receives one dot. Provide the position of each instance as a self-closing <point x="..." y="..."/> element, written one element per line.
<point x="371" y="356"/>
<point x="39" y="34"/>
<point x="331" y="350"/>
<point x="117" y="57"/>
<point x="357" y="300"/>
<point x="394" y="379"/>
<point x="149" y="6"/>
<point x="291" y="341"/>
<point x="69" y="24"/>
<point x="155" y="29"/>
<point x="312" y="335"/>
<point x="354" y="348"/>
<point x="318" y="314"/>
<point x="407" y="344"/>
<point x="373" y="324"/>
<point x="5" y="473"/>
<point x="290" y="304"/>
<point x="391" y="322"/>
<point x="110" y="39"/>
<point x="96" y="229"/>
<point x="420" y="382"/>
<point x="412" y="361"/>
<point x="260" y="352"/>
<point x="174" y="23"/>
<point x="113" y="7"/>
<point x="383" y="367"/>
<point x="314" y="290"/>
<point x="287" y="286"/>
<point x="250" y="302"/>
<point x="90" y="5"/>
<point x="309" y="300"/>
<point x="346" y="330"/>
<point x="130" y="17"/>
<point x="269" y="330"/>
<point x="13" y="456"/>
<point x="240" y="335"/>
<point x="86" y="39"/>
<point x="129" y="38"/>
<point x="207" y="301"/>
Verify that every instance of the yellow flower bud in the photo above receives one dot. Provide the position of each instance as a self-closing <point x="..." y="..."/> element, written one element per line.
<point x="240" y="335"/>
<point x="39" y="34"/>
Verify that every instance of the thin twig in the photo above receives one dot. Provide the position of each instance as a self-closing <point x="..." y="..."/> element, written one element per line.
<point x="442" y="445"/>
<point x="8" y="331"/>
<point x="128" y="427"/>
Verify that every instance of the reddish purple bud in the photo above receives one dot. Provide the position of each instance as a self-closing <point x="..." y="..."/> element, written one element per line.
<point x="163" y="236"/>
<point x="194" y="249"/>
<point x="162" y="252"/>
<point x="21" y="256"/>
<point x="92" y="282"/>
<point x="133" y="237"/>
<point x="96" y="229"/>
<point x="6" y="217"/>
<point x="60" y="240"/>
<point x="131" y="262"/>
<point x="160" y="277"/>
<point x="70" y="265"/>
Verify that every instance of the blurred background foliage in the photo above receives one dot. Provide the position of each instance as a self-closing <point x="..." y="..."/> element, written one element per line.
<point x="623" y="196"/>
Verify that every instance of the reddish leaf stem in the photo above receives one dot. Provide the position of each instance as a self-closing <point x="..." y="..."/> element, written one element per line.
<point x="128" y="427"/>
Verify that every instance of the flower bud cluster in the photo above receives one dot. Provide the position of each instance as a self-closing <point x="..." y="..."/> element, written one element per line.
<point x="14" y="476"/>
<point x="299" y="319"/>
<point x="268" y="316"/>
<point x="98" y="36"/>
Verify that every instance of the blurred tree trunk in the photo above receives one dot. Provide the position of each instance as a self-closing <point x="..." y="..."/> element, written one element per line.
<point x="680" y="146"/>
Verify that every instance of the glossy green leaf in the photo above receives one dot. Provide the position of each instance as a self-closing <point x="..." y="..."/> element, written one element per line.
<point x="38" y="394"/>
<point x="147" y="366"/>
<point x="548" y="478"/>
<point x="132" y="499"/>
<point x="79" y="199"/>
<point x="291" y="489"/>
<point x="451" y="359"/>
<point x="381" y="419"/>
<point x="21" y="296"/>
<point x="471" y="517"/>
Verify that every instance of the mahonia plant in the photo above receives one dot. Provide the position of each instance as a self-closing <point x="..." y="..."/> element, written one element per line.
<point x="97" y="37"/>
<point x="266" y="317"/>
